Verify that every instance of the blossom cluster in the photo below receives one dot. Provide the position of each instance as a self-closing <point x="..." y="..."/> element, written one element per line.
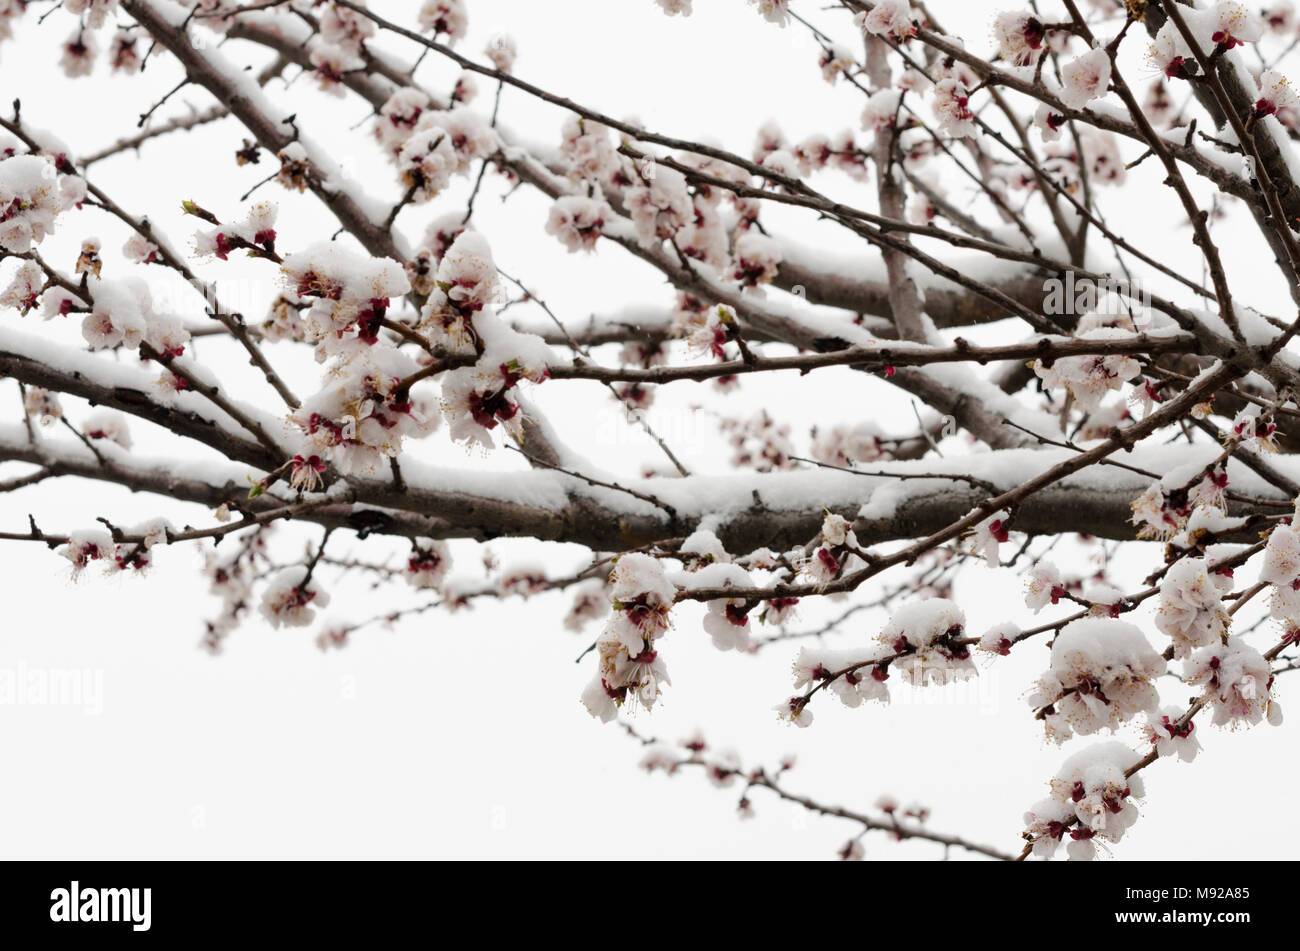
<point x="34" y="191"/>
<point x="1091" y="802"/>
<point x="1101" y="675"/>
<point x="629" y="666"/>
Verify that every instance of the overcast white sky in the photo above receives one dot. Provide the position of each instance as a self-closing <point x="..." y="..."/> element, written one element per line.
<point x="462" y="736"/>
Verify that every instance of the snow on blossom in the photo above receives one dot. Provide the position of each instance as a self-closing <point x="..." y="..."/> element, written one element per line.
<point x="140" y="249"/>
<point x="888" y="18"/>
<point x="476" y="399"/>
<point x="726" y="620"/>
<point x="426" y="163"/>
<point x="1091" y="800"/>
<point x="758" y="258"/>
<point x="470" y="133"/>
<point x="814" y="665"/>
<point x="502" y="52"/>
<point x="824" y="565"/>
<point x="118" y="315"/>
<point x="768" y="139"/>
<point x="1191" y="610"/>
<point x="524" y="578"/>
<point x="343" y="27"/>
<point x="950" y="104"/>
<point x="437" y="240"/>
<point x="1100" y="676"/>
<point x="641" y="595"/>
<point x="1045" y="825"/>
<point x="660" y="204"/>
<point x="705" y="237"/>
<point x="578" y="221"/>
<point x="1089" y="378"/>
<point x="29" y="201"/>
<point x="296" y="168"/>
<point x="986" y="537"/>
<point x="836" y="531"/>
<point x="929" y="634"/>
<point x="291" y="597"/>
<point x="660" y="757"/>
<point x="1255" y="429"/>
<point x="24" y="291"/>
<point x="255" y="233"/>
<point x="331" y="63"/>
<point x="587" y="147"/>
<point x="42" y="405"/>
<point x="1155" y="515"/>
<point x="362" y="413"/>
<point x="703" y="548"/>
<point x="444" y="18"/>
<point x="835" y="61"/>
<point x="1239" y="681"/>
<point x="1048" y="123"/>
<point x="109" y="425"/>
<point x="1043" y="585"/>
<point x="397" y="119"/>
<point x="881" y="109"/>
<point x="465" y="284"/>
<point x="347" y="290"/>
<point x="57" y="302"/>
<point x="708" y="331"/>
<point x="428" y="563"/>
<point x="1106" y="600"/>
<point x="784" y="163"/>
<point x="1000" y="638"/>
<point x="628" y="663"/>
<point x="83" y="547"/>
